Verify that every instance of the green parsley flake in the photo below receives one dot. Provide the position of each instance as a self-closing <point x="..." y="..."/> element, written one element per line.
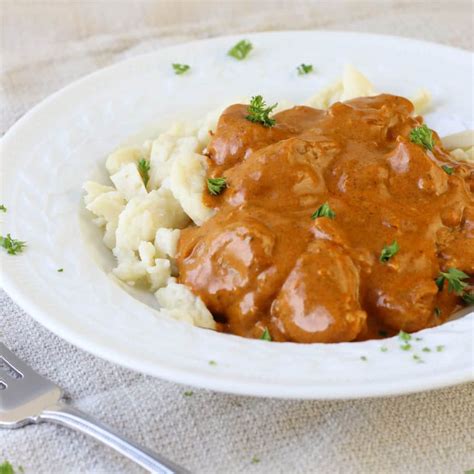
<point x="60" y="270"/>
<point x="6" y="468"/>
<point x="304" y="69"/>
<point x="12" y="246"/>
<point x="180" y="68"/>
<point x="144" y="170"/>
<point x="455" y="279"/>
<point x="418" y="359"/>
<point x="448" y="169"/>
<point x="259" y="112"/>
<point x="3" y="208"/>
<point x="439" y="348"/>
<point x="418" y="338"/>
<point x="426" y="349"/>
<point x="389" y="251"/>
<point x="188" y="393"/>
<point x="468" y="298"/>
<point x="240" y="50"/>
<point x="364" y="358"/>
<point x="323" y="211"/>
<point x="212" y="362"/>
<point x="266" y="336"/>
<point x="437" y="311"/>
<point x="422" y="136"/>
<point x="404" y="336"/>
<point x="255" y="460"/>
<point x="216" y="185"/>
<point x="384" y="349"/>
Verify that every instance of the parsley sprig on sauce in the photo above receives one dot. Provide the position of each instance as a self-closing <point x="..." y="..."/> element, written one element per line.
<point x="144" y="170"/>
<point x="323" y="211"/>
<point x="304" y="69"/>
<point x="258" y="112"/>
<point x="266" y="336"/>
<point x="180" y="68"/>
<point x="422" y="136"/>
<point x="216" y="185"/>
<point x="455" y="279"/>
<point x="240" y="50"/>
<point x="12" y="246"/>
<point x="3" y="208"/>
<point x="448" y="169"/>
<point x="389" y="251"/>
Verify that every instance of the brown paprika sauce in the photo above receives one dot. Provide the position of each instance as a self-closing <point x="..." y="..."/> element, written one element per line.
<point x="262" y="261"/>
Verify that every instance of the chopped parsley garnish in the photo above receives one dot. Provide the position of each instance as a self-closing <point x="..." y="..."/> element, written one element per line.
<point x="389" y="251"/>
<point x="180" y="68"/>
<point x="60" y="270"/>
<point x="437" y="311"/>
<point x="255" y="460"/>
<point x="304" y="69"/>
<point x="404" y="336"/>
<point x="212" y="362"/>
<point x="383" y="349"/>
<point x="439" y="348"/>
<point x="188" y="393"/>
<point x="426" y="349"/>
<point x="216" y="185"/>
<point x="240" y="50"/>
<point x="144" y="170"/>
<point x="6" y="468"/>
<point x="468" y="298"/>
<point x="422" y="136"/>
<point x="364" y="358"/>
<point x="323" y="211"/>
<point x="12" y="246"/>
<point x="3" y="208"/>
<point x="455" y="279"/>
<point x="418" y="338"/>
<point x="266" y="336"/>
<point x="418" y="359"/>
<point x="448" y="169"/>
<point x="259" y="112"/>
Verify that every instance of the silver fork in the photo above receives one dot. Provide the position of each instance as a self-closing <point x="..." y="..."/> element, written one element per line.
<point x="27" y="397"/>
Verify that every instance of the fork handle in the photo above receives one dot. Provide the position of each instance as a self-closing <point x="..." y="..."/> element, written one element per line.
<point x="72" y="418"/>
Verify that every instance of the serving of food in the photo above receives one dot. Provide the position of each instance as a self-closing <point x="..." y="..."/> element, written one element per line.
<point x="277" y="223"/>
<point x="334" y="221"/>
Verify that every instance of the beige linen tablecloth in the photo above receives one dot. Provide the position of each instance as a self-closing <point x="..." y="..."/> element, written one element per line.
<point x="45" y="45"/>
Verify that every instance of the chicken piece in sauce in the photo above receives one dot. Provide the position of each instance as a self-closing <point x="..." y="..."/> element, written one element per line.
<point x="266" y="260"/>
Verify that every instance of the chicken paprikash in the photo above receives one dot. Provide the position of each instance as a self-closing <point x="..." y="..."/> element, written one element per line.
<point x="331" y="225"/>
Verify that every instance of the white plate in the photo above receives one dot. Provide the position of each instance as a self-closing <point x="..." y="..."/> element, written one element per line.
<point x="62" y="142"/>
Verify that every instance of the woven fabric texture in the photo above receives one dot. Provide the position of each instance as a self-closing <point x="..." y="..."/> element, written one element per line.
<point x="47" y="44"/>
